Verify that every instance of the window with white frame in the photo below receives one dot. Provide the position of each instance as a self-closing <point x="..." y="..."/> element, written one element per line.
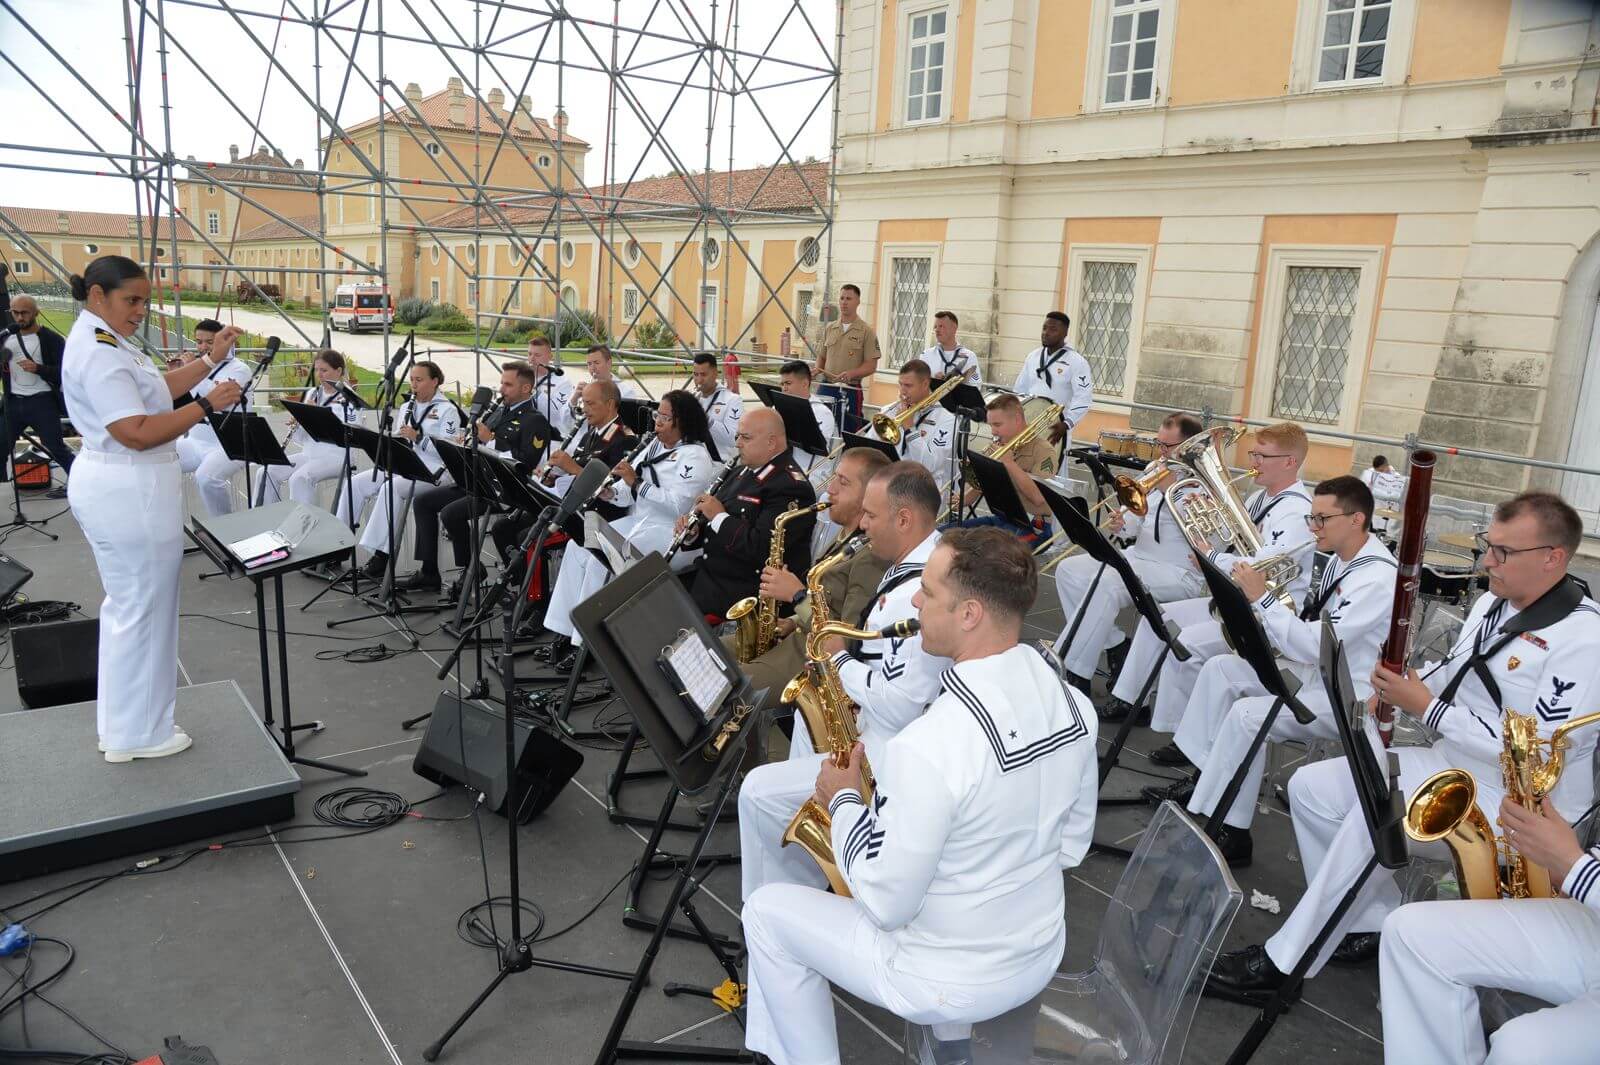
<point x="1314" y="343"/>
<point x="433" y="254"/>
<point x="926" y="38"/>
<point x="708" y="315"/>
<point x="569" y="253"/>
<point x="805" y="309"/>
<point x="433" y="148"/>
<point x="544" y="161"/>
<point x="91" y="249"/>
<point x="472" y="293"/>
<point x="711" y="251"/>
<point x="1354" y="38"/>
<point x="22" y="267"/>
<point x="433" y="290"/>
<point x="909" y="287"/>
<point x="808" y="253"/>
<point x="214" y="222"/>
<point x="1130" y="74"/>
<point x="630" y="303"/>
<point x="569" y="297"/>
<point x="1105" y="322"/>
<point x="632" y="252"/>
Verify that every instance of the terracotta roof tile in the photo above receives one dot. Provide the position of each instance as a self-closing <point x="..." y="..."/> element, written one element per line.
<point x="43" y="221"/>
<point x="435" y="111"/>
<point x="276" y="230"/>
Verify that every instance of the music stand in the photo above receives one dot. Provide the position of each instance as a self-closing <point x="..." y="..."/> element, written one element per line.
<point x="858" y="440"/>
<point x="994" y="484"/>
<point x="964" y="400"/>
<point x="314" y="536"/>
<point x="637" y="414"/>
<point x="323" y="426"/>
<point x="1382" y="810"/>
<point x="625" y="626"/>
<point x="473" y="472"/>
<point x="247" y="438"/>
<point x="799" y="420"/>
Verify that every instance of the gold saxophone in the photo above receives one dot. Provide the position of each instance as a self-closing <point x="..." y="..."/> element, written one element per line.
<point x="755" y="617"/>
<point x="1444" y="807"/>
<point x="812" y="827"/>
<point x="808" y="698"/>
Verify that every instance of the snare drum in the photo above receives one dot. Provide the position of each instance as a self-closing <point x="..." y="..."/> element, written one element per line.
<point x="1117" y="443"/>
<point x="1446" y="576"/>
<point x="1145" y="448"/>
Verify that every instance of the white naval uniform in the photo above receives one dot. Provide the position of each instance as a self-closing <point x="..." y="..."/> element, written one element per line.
<point x="1434" y="955"/>
<point x="1387" y="491"/>
<point x="1064" y="376"/>
<point x="130" y="506"/>
<point x="1282" y="521"/>
<point x="437" y="419"/>
<point x="928" y="441"/>
<point x="723" y="410"/>
<point x="315" y="462"/>
<point x="816" y="470"/>
<point x="891" y="680"/>
<point x="670" y="480"/>
<point x="1549" y="673"/>
<point x="962" y="360"/>
<point x="958" y="909"/>
<point x="1229" y="705"/>
<point x="552" y="397"/>
<point x="199" y="450"/>
<point x="626" y="389"/>
<point x="1161" y="557"/>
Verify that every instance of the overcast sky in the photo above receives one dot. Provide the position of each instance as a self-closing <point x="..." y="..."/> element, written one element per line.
<point x="791" y="45"/>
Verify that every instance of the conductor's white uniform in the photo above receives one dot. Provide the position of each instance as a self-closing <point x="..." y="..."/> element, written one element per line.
<point x="1229" y="704"/>
<point x="1549" y="672"/>
<point x="1159" y="555"/>
<point x="436" y="419"/>
<point x="954" y="864"/>
<point x="1282" y="521"/>
<point x="723" y="411"/>
<point x="130" y="506"/>
<point x="892" y="681"/>
<point x="963" y="360"/>
<point x="670" y="480"/>
<point x="315" y="462"/>
<point x="201" y="452"/>
<point x="928" y="441"/>
<point x="1434" y="955"/>
<point x="1062" y="375"/>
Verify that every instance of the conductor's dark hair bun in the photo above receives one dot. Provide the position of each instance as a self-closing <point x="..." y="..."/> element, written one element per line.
<point x="106" y="273"/>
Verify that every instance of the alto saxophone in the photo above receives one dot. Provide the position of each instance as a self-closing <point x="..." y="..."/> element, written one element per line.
<point x="808" y="698"/>
<point x="755" y="617"/>
<point x="812" y="826"/>
<point x="1445" y="807"/>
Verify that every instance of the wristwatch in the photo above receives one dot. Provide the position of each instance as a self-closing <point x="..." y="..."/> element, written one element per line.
<point x="205" y="405"/>
<point x="799" y="597"/>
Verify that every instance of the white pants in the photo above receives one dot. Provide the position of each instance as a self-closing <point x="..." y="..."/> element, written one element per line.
<point x="1334" y="847"/>
<point x="304" y="475"/>
<point x="1165" y="581"/>
<point x="1434" y="955"/>
<point x="1223" y="717"/>
<point x="375" y="533"/>
<point x="1200" y="635"/>
<point x="801" y="939"/>
<point x="768" y="800"/>
<point x="132" y="515"/>
<point x="581" y="574"/>
<point x="214" y="479"/>
<point x="193" y="452"/>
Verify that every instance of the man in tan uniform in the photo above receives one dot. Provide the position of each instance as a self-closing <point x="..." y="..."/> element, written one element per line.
<point x="849" y="359"/>
<point x="848" y="587"/>
<point x="1023" y="462"/>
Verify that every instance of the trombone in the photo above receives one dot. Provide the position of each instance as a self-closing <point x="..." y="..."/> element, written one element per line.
<point x="891" y="427"/>
<point x="1129" y="492"/>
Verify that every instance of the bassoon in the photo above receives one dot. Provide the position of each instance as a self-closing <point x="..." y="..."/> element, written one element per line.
<point x="1408" y="578"/>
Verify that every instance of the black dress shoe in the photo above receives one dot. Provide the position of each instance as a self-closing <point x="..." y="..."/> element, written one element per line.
<point x="376" y="566"/>
<point x="567" y="664"/>
<point x="57" y="493"/>
<point x="1357" y="948"/>
<point x="1236" y="845"/>
<point x="1083" y="684"/>
<point x="1115" y="657"/>
<point x="1117" y="711"/>
<point x="1170" y="755"/>
<point x="420" y="581"/>
<point x="1179" y="792"/>
<point x="1245" y="971"/>
<point x="554" y="651"/>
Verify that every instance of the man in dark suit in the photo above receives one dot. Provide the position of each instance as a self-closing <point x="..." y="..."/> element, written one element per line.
<point x="30" y="365"/>
<point x="737" y="535"/>
<point x="518" y="430"/>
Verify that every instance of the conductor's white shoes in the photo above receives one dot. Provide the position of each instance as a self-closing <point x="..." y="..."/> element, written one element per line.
<point x="177" y="744"/>
<point x="101" y="745"/>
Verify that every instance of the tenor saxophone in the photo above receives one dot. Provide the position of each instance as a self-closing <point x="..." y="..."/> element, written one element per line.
<point x="812" y="826"/>
<point x="755" y="617"/>
<point x="808" y="697"/>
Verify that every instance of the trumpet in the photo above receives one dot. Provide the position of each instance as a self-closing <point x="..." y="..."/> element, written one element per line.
<point x="891" y="427"/>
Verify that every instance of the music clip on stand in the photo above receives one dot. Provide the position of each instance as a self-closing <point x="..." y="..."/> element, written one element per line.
<point x="1383" y="812"/>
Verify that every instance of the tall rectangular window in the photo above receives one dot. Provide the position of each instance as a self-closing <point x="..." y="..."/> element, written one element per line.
<point x="908" y="307"/>
<point x="472" y="293"/>
<point x="214" y="223"/>
<point x="1131" y="55"/>
<point x="1355" y="35"/>
<point x="804" y="311"/>
<point x="433" y="290"/>
<point x="630" y="303"/>
<point x="708" y="315"/>
<point x="1314" y="344"/>
<point x="1105" y="320"/>
<point x="926" y="38"/>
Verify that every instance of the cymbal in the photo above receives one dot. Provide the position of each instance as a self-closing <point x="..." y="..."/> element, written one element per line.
<point x="1391" y="515"/>
<point x="1458" y="540"/>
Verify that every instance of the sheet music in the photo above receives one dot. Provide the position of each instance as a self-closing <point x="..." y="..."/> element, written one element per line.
<point x="701" y="678"/>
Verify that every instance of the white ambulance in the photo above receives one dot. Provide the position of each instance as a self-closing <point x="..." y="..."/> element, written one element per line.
<point x="362" y="306"/>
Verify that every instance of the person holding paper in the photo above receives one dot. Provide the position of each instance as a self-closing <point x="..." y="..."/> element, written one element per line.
<point x="125" y="490"/>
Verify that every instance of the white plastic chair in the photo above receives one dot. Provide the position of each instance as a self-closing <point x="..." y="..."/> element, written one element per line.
<point x="1161" y="931"/>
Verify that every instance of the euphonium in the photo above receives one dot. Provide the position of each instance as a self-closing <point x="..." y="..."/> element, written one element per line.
<point x="756" y="616"/>
<point x="1444" y="807"/>
<point x="890" y="427"/>
<point x="811" y="826"/>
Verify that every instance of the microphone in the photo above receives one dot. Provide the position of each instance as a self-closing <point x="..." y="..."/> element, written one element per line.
<point x="351" y="396"/>
<point x="273" y="344"/>
<point x="480" y="400"/>
<point x="400" y="355"/>
<point x="558" y="371"/>
<point x="582" y="489"/>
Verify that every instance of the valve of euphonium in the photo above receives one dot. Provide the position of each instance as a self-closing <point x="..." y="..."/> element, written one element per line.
<point x="1444" y="807"/>
<point x="755" y="617"/>
<point x="812" y="827"/>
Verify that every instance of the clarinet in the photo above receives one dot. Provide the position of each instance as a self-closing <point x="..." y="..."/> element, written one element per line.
<point x="613" y="477"/>
<point x="697" y="520"/>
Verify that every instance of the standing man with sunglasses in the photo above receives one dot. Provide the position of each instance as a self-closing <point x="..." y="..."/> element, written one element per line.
<point x="1531" y="644"/>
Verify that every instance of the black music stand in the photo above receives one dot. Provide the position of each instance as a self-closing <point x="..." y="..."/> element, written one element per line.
<point x="1083" y="532"/>
<point x="247" y="438"/>
<point x="858" y="440"/>
<point x="473" y="471"/>
<point x="626" y="625"/>
<point x="994" y="483"/>
<point x="323" y="426"/>
<point x="799" y="420"/>
<point x="1383" y="811"/>
<point x="964" y="401"/>
<point x="315" y="536"/>
<point x="637" y="414"/>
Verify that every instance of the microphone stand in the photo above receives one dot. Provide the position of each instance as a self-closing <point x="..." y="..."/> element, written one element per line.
<point x="18" y="520"/>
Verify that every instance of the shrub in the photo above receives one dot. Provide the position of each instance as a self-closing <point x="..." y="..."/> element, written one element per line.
<point x="412" y="310"/>
<point x="654" y="333"/>
<point x="578" y="328"/>
<point x="446" y="318"/>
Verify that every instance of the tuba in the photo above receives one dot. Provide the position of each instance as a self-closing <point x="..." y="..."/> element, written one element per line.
<point x="755" y="617"/>
<point x="1210" y="512"/>
<point x="832" y="718"/>
<point x="1444" y="807"/>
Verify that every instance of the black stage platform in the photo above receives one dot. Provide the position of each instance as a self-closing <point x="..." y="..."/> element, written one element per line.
<point x="66" y="806"/>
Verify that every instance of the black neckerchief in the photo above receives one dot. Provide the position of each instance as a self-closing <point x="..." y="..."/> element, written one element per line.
<point x="1315" y="602"/>
<point x="1274" y="501"/>
<point x="913" y="571"/>
<point x="945" y="362"/>
<point x="660" y="456"/>
<point x="414" y="419"/>
<point x="1048" y="359"/>
<point x="1543" y="612"/>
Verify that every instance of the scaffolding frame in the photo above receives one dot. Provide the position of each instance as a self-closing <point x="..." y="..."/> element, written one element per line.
<point x="679" y="50"/>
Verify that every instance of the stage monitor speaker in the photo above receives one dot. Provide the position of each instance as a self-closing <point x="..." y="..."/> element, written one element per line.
<point x="13" y="575"/>
<point x="57" y="662"/>
<point x="466" y="744"/>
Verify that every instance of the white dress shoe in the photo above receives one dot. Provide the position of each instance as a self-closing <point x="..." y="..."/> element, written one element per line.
<point x="177" y="744"/>
<point x="101" y="745"/>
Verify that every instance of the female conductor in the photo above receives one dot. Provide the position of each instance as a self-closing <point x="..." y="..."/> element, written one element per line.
<point x="126" y="493"/>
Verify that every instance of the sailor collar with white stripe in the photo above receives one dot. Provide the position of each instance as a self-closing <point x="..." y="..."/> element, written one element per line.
<point x="915" y="560"/>
<point x="1335" y="569"/>
<point x="1260" y="504"/>
<point x="1002" y="724"/>
<point x="707" y="402"/>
